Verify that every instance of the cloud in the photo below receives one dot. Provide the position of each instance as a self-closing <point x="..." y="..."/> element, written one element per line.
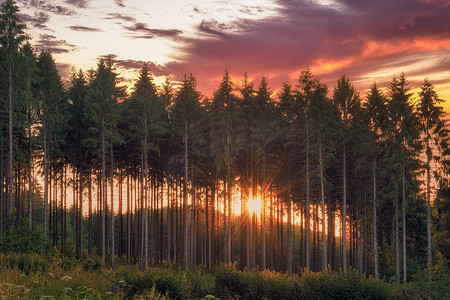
<point x="51" y="43"/>
<point x="120" y="17"/>
<point x="155" y="69"/>
<point x="78" y="3"/>
<point x="52" y="8"/>
<point x="349" y="37"/>
<point x="213" y="27"/>
<point x="142" y="31"/>
<point x="119" y="3"/>
<point x="84" y="29"/>
<point x="39" y="20"/>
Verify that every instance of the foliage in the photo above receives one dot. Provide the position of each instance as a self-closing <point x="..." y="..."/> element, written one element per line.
<point x="22" y="240"/>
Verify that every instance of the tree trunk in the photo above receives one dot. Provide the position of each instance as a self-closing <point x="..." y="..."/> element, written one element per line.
<point x="30" y="178"/>
<point x="344" y="212"/>
<point x="322" y="191"/>
<point x="307" y="210"/>
<point x="112" y="208"/>
<point x="429" y="240"/>
<point x="45" y="180"/>
<point x="185" y="200"/>
<point x="10" y="165"/>
<point x="375" y="243"/>
<point x="104" y="197"/>
<point x="397" y="240"/>
<point x="404" y="219"/>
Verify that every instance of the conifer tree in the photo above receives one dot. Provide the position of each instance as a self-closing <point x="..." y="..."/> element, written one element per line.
<point x="346" y="101"/>
<point x="12" y="36"/>
<point x="436" y="138"/>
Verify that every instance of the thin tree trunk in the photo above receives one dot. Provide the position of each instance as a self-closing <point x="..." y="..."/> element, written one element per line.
<point x="375" y="243"/>
<point x="397" y="240"/>
<point x="104" y="198"/>
<point x="344" y="213"/>
<point x="307" y="210"/>
<point x="322" y="191"/>
<point x="10" y="165"/>
<point x="112" y="208"/>
<point x="429" y="240"/>
<point x="45" y="180"/>
<point x="185" y="201"/>
<point x="404" y="219"/>
<point x="30" y="178"/>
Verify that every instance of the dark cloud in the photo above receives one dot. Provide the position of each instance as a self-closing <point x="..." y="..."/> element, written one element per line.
<point x="120" y="17"/>
<point x="39" y="20"/>
<point x="213" y="27"/>
<point x="155" y="69"/>
<point x="351" y="36"/>
<point x="84" y="29"/>
<point x="50" y="8"/>
<point x="51" y="43"/>
<point x="119" y="3"/>
<point x="78" y="3"/>
<point x="142" y="31"/>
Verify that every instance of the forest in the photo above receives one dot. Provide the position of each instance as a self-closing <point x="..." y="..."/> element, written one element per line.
<point x="305" y="179"/>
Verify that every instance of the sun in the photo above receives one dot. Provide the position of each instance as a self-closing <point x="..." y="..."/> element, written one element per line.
<point x="254" y="205"/>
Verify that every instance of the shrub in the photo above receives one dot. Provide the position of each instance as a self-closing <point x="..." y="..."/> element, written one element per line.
<point x="338" y="285"/>
<point x="231" y="282"/>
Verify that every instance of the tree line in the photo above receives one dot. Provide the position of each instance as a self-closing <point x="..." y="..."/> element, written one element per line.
<point x="345" y="181"/>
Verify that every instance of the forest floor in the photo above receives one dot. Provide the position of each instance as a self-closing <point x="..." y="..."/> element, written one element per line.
<point x="32" y="276"/>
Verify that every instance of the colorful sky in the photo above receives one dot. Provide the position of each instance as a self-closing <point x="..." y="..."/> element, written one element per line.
<point x="365" y="40"/>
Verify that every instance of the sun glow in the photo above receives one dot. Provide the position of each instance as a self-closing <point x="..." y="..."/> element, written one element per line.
<point x="254" y="205"/>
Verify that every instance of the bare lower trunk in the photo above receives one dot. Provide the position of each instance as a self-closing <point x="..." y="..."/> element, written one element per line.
<point x="10" y="165"/>
<point x="344" y="214"/>
<point x="112" y="209"/>
<point x="404" y="221"/>
<point x="429" y="241"/>
<point x="375" y="243"/>
<point x="185" y="201"/>
<point x="307" y="219"/>
<point x="322" y="191"/>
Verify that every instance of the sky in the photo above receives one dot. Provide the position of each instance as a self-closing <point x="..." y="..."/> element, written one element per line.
<point x="369" y="41"/>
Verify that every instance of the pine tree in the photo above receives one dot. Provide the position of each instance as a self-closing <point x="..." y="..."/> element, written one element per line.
<point x="375" y="109"/>
<point x="346" y="100"/>
<point x="53" y="125"/>
<point x="185" y="117"/>
<point x="12" y="36"/>
<point x="435" y="137"/>
<point x="101" y="110"/>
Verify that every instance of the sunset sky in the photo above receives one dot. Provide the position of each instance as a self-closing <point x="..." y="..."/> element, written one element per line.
<point x="365" y="40"/>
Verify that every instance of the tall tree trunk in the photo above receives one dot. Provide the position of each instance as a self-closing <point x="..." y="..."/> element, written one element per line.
<point x="90" y="216"/>
<point x="307" y="210"/>
<point x="30" y="177"/>
<point x="404" y="218"/>
<point x="185" y="200"/>
<point x="322" y="191"/>
<point x="397" y="240"/>
<point x="344" y="212"/>
<point x="112" y="207"/>
<point x="10" y="165"/>
<point x="45" y="180"/>
<point x="429" y="241"/>
<point x="104" y="197"/>
<point x="375" y="243"/>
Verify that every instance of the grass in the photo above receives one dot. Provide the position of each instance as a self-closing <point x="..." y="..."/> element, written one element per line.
<point x="32" y="276"/>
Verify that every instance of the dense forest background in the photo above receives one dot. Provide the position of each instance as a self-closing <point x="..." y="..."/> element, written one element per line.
<point x="306" y="178"/>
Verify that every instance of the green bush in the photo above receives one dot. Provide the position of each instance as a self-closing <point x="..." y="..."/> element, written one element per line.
<point x="22" y="240"/>
<point x="337" y="285"/>
<point x="231" y="283"/>
<point x="165" y="282"/>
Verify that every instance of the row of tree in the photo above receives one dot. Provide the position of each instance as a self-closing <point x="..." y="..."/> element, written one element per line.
<point x="178" y="165"/>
